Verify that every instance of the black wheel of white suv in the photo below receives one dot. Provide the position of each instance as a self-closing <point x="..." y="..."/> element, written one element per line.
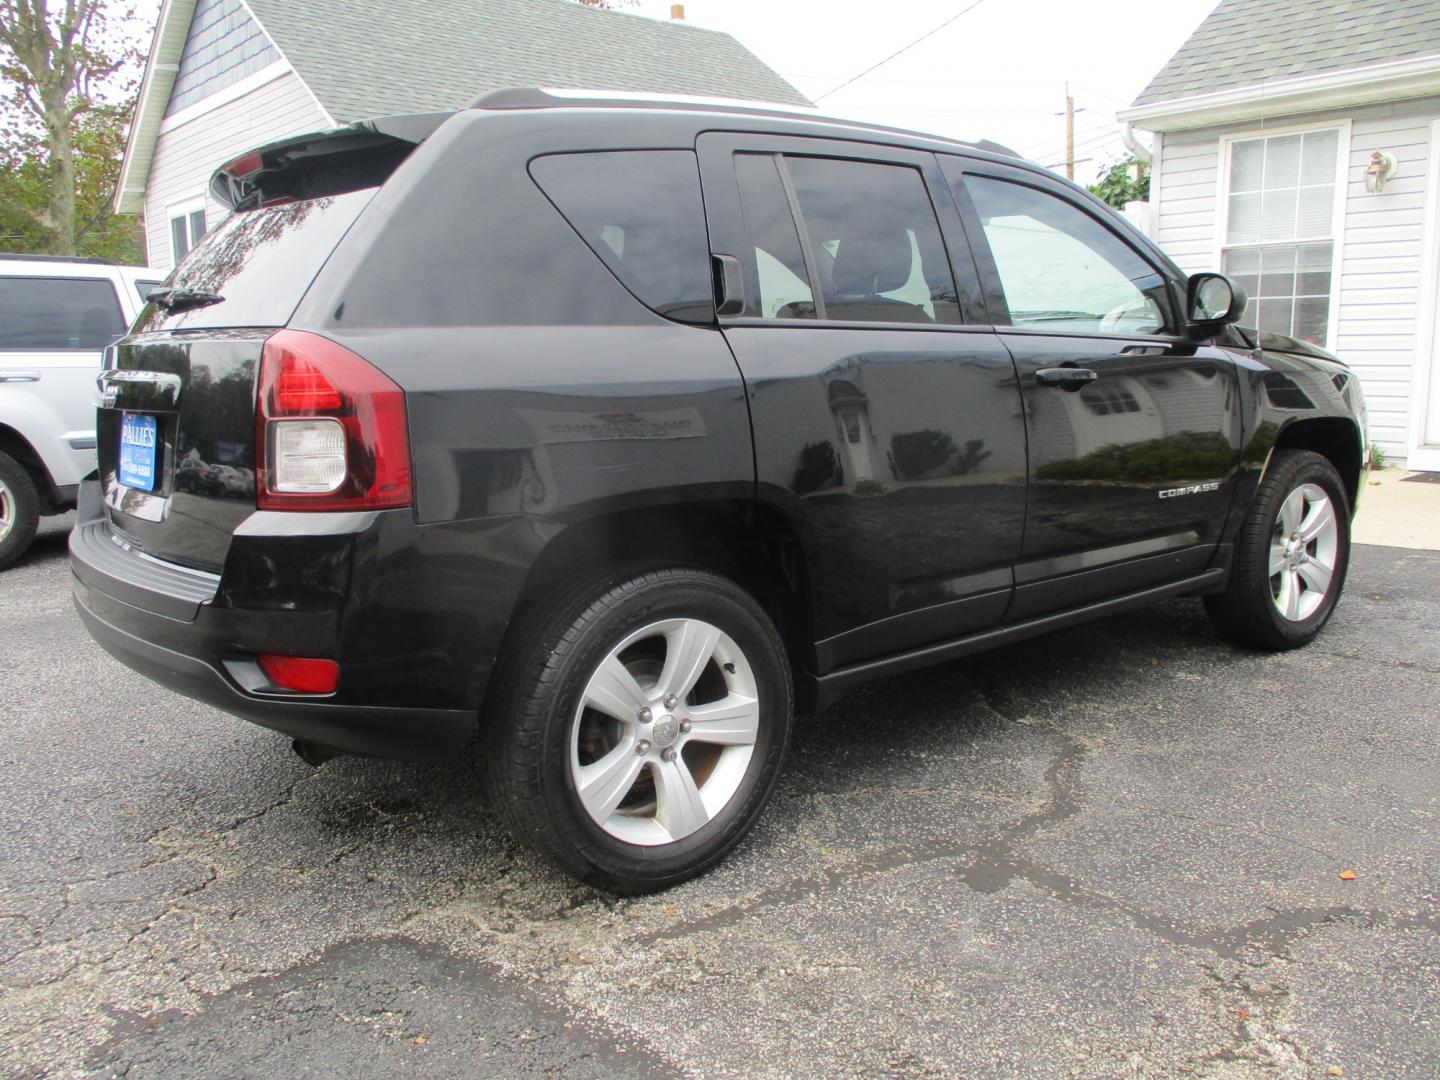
<point x="1291" y="556"/>
<point x="19" y="510"/>
<point x="638" y="727"/>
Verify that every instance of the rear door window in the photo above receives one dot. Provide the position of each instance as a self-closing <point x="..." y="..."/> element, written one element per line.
<point x="781" y="285"/>
<point x="640" y="212"/>
<point x="58" y="314"/>
<point x="870" y="239"/>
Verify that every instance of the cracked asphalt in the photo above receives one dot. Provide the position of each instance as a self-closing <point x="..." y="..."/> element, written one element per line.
<point x="1110" y="852"/>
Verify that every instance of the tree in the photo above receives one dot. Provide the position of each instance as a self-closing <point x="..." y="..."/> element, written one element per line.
<point x="1125" y="181"/>
<point x="69" y="72"/>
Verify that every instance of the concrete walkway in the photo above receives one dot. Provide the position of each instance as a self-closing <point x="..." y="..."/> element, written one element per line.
<point x="1399" y="512"/>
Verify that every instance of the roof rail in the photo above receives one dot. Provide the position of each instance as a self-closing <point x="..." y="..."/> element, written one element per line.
<point x="541" y="97"/>
<point x="12" y="257"/>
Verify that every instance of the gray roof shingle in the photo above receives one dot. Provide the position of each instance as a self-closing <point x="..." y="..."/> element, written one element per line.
<point x="1246" y="42"/>
<point x="366" y="58"/>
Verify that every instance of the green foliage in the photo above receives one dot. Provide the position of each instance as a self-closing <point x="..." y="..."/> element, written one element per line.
<point x="1195" y="455"/>
<point x="25" y="192"/>
<point x="1377" y="456"/>
<point x="1119" y="186"/>
<point x="68" y="76"/>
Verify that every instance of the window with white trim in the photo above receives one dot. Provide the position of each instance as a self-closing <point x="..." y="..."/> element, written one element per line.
<point x="1280" y="230"/>
<point x="187" y="226"/>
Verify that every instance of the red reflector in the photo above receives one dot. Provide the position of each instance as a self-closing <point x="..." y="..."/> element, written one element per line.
<point x="302" y="674"/>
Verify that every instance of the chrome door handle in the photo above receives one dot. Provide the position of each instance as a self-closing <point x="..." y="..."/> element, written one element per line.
<point x="19" y="375"/>
<point x="1066" y="378"/>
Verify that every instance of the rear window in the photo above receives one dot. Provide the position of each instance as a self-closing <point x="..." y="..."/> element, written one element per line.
<point x="260" y="261"/>
<point x="45" y="314"/>
<point x="640" y="211"/>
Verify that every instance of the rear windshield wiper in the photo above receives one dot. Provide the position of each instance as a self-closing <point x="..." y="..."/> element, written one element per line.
<point x="183" y="299"/>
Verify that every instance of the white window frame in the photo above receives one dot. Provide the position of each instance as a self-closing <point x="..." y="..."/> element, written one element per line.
<point x="1337" y="222"/>
<point x="184" y="209"/>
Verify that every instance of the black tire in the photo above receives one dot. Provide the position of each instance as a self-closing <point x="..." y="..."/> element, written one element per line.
<point x="535" y="702"/>
<point x="22" y="502"/>
<point x="1247" y="612"/>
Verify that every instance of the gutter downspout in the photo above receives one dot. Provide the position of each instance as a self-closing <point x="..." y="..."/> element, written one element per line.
<point x="1134" y="145"/>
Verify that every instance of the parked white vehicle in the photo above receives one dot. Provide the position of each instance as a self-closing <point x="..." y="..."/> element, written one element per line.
<point x="57" y="315"/>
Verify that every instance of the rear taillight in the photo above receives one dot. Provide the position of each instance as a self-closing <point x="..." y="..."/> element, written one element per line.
<point x="330" y="429"/>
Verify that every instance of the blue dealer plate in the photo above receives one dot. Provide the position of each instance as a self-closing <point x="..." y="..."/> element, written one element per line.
<point x="138" y="436"/>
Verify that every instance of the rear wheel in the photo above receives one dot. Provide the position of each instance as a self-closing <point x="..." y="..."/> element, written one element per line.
<point x="1291" y="558"/>
<point x="19" y="510"/>
<point x="637" y="728"/>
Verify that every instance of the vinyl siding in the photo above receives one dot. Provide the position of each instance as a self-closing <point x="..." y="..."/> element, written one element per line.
<point x="223" y="46"/>
<point x="187" y="155"/>
<point x="1379" y="290"/>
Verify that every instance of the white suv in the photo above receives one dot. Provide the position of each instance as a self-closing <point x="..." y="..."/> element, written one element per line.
<point x="57" y="315"/>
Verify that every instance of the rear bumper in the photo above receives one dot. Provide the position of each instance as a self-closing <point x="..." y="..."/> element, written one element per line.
<point x="405" y="692"/>
<point x="382" y="731"/>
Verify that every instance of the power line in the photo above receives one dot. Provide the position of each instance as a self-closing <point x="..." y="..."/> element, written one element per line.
<point x="907" y="48"/>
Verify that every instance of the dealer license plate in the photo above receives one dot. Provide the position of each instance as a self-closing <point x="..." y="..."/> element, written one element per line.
<point x="138" y="436"/>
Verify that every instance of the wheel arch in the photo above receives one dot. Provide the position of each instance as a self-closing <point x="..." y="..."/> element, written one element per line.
<point x="753" y="544"/>
<point x="1335" y="438"/>
<point x="13" y="443"/>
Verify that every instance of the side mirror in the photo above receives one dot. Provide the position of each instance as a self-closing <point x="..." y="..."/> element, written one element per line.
<point x="1213" y="300"/>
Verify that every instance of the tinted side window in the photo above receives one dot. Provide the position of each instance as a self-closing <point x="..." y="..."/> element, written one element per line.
<point x="1062" y="269"/>
<point x="58" y="313"/>
<point x="875" y="241"/>
<point x="780" y="288"/>
<point x="640" y="211"/>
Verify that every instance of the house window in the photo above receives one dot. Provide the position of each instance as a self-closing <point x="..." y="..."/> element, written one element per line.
<point x="1280" y="230"/>
<point x="186" y="229"/>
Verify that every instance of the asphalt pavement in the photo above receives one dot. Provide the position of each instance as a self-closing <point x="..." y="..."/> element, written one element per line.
<point x="1113" y="851"/>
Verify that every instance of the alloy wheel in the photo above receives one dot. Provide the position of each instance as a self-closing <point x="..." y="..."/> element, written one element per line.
<point x="664" y="732"/>
<point x="1303" y="549"/>
<point x="7" y="511"/>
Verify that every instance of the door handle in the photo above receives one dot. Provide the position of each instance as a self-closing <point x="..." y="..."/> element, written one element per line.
<point x="1066" y="378"/>
<point x="729" y="285"/>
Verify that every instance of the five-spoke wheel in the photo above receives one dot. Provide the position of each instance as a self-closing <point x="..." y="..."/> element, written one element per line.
<point x="1290" y="557"/>
<point x="637" y="729"/>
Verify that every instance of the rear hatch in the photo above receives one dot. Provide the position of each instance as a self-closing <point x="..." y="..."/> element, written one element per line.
<point x="176" y="429"/>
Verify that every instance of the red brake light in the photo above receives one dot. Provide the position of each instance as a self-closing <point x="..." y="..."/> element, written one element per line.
<point x="330" y="429"/>
<point x="302" y="674"/>
<point x="244" y="166"/>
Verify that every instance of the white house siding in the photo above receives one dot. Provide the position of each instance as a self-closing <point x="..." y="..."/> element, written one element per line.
<point x="188" y="152"/>
<point x="1379" y="288"/>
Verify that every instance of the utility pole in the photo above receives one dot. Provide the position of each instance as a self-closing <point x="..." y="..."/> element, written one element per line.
<point x="1069" y="134"/>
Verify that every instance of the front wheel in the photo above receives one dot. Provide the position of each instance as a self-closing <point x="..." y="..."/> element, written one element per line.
<point x="1291" y="558"/>
<point x="637" y="728"/>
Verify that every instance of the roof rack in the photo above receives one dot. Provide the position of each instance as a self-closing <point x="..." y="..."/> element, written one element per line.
<point x="11" y="257"/>
<point x="544" y="97"/>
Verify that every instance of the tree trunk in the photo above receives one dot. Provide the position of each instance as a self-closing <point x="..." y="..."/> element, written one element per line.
<point x="62" y="190"/>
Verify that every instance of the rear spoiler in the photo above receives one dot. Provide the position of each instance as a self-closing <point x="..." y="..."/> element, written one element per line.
<point x="359" y="155"/>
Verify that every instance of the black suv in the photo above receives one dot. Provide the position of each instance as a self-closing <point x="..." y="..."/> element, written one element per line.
<point x="615" y="432"/>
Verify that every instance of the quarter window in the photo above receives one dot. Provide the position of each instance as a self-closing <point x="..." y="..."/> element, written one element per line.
<point x="44" y="314"/>
<point x="781" y="286"/>
<point x="1279" y="229"/>
<point x="1062" y="269"/>
<point x="640" y="212"/>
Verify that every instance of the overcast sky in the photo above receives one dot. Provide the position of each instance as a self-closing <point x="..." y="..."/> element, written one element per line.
<point x="998" y="72"/>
